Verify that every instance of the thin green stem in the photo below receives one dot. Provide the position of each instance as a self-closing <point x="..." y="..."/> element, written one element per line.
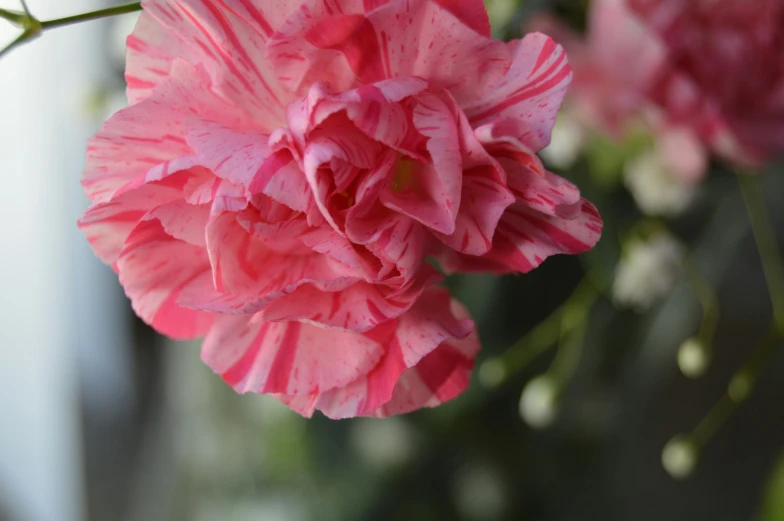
<point x="765" y="235"/>
<point x="33" y="27"/>
<point x="565" y="319"/>
<point x="740" y="387"/>
<point x="25" y="8"/>
<point x="19" y="41"/>
<point x="94" y="15"/>
<point x="570" y="349"/>
<point x="708" y="299"/>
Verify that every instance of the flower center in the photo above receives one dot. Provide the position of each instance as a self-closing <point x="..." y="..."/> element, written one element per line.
<point x="407" y="172"/>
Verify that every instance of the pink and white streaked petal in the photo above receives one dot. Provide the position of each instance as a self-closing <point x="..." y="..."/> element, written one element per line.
<point x="431" y="325"/>
<point x="439" y="377"/>
<point x="484" y="202"/>
<point x="286" y="357"/>
<point x="402" y="245"/>
<point x="527" y="99"/>
<point x="359" y="307"/>
<point x="150" y="133"/>
<point x="107" y="225"/>
<point x="426" y="39"/>
<point x="154" y="269"/>
<point x="542" y="190"/>
<point x="247" y="275"/>
<point x="231" y="49"/>
<point x="525" y="238"/>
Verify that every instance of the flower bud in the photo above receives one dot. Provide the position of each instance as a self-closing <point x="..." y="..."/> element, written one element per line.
<point x="680" y="457"/>
<point x="693" y="358"/>
<point x="539" y="401"/>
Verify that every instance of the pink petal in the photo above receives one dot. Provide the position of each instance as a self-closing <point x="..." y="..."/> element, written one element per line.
<point x="541" y="190"/>
<point x="403" y="244"/>
<point x="427" y="39"/>
<point x="107" y="225"/>
<point x="359" y="307"/>
<point x="439" y="377"/>
<point x="183" y="221"/>
<point x="248" y="275"/>
<point x="150" y="133"/>
<point x="230" y="42"/>
<point x="525" y="238"/>
<point x="286" y="357"/>
<point x="484" y="202"/>
<point x="430" y="192"/>
<point x="431" y="325"/>
<point x="154" y="269"/>
<point x="527" y="99"/>
<point x="244" y="159"/>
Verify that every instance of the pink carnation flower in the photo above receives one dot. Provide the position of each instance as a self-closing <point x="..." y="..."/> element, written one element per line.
<point x="725" y="71"/>
<point x="618" y="66"/>
<point x="285" y="169"/>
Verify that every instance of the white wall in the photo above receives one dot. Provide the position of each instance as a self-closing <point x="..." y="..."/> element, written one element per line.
<point x="59" y="307"/>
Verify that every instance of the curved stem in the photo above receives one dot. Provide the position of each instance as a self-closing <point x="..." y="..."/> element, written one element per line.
<point x="34" y="27"/>
<point x="561" y="322"/>
<point x="709" y="301"/>
<point x="740" y="387"/>
<point x="765" y="235"/>
<point x="19" y="41"/>
<point x="93" y="15"/>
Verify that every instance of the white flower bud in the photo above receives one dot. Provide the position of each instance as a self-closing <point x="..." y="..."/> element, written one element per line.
<point x="680" y="457"/>
<point x="539" y="401"/>
<point x="693" y="358"/>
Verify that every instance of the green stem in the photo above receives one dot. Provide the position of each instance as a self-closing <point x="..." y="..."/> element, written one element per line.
<point x="19" y="41"/>
<point x="565" y="319"/>
<point x="741" y="386"/>
<point x="708" y="299"/>
<point x="94" y="15"/>
<point x="765" y="235"/>
<point x="33" y="27"/>
<point x="570" y="349"/>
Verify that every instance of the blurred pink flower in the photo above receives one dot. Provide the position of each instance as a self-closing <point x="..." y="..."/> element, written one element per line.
<point x="284" y="170"/>
<point x="724" y="71"/>
<point x="617" y="66"/>
<point x="704" y="74"/>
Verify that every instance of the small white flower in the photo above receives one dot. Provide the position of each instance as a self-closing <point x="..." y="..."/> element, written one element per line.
<point x="566" y="142"/>
<point x="539" y="402"/>
<point x="655" y="190"/>
<point x="647" y="271"/>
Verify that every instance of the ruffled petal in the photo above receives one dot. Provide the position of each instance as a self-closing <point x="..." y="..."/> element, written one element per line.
<point x="359" y="307"/>
<point x="247" y="274"/>
<point x="229" y="40"/>
<point x="154" y="269"/>
<point x="151" y="133"/>
<point x="525" y="238"/>
<point x="430" y="191"/>
<point x="286" y="357"/>
<point x="430" y="326"/>
<point x="444" y="42"/>
<point x="524" y="103"/>
<point x="244" y="159"/>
